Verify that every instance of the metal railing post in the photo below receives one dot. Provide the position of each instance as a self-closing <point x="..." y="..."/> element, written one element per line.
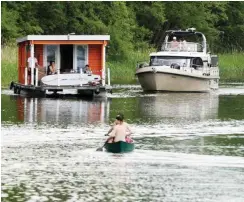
<point x="81" y="72"/>
<point x="36" y="76"/>
<point x="109" y="76"/>
<point x="26" y="75"/>
<point x="58" y="73"/>
<point x="32" y="63"/>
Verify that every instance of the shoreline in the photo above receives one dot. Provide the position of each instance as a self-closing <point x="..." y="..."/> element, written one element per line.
<point x="231" y="66"/>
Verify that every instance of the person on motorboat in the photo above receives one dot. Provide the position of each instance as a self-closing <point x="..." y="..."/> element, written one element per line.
<point x="174" y="44"/>
<point x="183" y="44"/>
<point x="120" y="131"/>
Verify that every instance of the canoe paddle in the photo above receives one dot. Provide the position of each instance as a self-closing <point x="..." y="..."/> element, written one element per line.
<point x="101" y="148"/>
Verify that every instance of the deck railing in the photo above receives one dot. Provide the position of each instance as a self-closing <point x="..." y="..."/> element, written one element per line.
<point x="182" y="46"/>
<point x="36" y="75"/>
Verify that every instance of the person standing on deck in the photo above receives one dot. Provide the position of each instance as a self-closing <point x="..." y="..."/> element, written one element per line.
<point x="30" y="61"/>
<point x="119" y="131"/>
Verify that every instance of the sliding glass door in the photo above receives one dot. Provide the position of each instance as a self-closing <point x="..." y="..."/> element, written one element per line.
<point x="51" y="53"/>
<point x="80" y="57"/>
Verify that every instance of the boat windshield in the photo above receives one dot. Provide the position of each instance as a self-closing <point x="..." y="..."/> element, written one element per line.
<point x="167" y="61"/>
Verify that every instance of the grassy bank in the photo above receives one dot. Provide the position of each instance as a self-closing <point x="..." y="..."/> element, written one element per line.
<point x="231" y="67"/>
<point x="124" y="72"/>
<point x="9" y="71"/>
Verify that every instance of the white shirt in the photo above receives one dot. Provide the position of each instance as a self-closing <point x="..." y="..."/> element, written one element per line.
<point x="30" y="60"/>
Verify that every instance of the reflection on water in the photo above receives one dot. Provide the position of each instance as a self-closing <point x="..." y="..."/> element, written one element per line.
<point x="59" y="111"/>
<point x="180" y="105"/>
<point x="226" y="145"/>
<point x="189" y="147"/>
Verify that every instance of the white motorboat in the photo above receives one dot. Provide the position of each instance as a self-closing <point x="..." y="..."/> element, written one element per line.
<point x="181" y="66"/>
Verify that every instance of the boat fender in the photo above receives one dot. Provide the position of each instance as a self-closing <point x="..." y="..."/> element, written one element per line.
<point x="154" y="70"/>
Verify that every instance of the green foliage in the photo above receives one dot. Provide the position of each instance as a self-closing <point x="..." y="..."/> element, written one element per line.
<point x="9" y="25"/>
<point x="132" y="25"/>
<point x="233" y="27"/>
<point x="121" y="30"/>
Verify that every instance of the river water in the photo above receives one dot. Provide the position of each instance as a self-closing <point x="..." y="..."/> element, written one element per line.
<point x="189" y="147"/>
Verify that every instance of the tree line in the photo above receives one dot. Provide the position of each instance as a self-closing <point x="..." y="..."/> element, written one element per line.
<point x="131" y="25"/>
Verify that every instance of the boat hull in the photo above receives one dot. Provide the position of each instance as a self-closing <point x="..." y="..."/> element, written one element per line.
<point x="88" y="91"/>
<point x="166" y="81"/>
<point x="119" y="147"/>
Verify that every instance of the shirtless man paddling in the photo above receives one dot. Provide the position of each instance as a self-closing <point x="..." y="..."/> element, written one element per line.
<point x="119" y="130"/>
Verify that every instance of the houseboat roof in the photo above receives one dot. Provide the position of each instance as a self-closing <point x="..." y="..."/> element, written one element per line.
<point x="68" y="37"/>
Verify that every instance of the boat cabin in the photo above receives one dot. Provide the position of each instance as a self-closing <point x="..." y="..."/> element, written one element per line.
<point x="70" y="53"/>
<point x="185" y="41"/>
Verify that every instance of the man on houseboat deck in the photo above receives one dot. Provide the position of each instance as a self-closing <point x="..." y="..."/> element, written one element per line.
<point x="31" y="60"/>
<point x="119" y="131"/>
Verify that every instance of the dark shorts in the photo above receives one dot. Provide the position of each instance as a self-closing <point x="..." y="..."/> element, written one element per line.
<point x="29" y="71"/>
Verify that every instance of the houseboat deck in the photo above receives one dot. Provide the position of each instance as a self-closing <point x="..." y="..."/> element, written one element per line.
<point x="45" y="90"/>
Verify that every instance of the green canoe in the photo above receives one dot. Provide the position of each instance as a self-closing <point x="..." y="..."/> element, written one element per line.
<point x="119" y="147"/>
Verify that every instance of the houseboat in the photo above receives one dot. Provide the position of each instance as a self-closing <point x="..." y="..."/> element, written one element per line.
<point x="62" y="64"/>
<point x="182" y="65"/>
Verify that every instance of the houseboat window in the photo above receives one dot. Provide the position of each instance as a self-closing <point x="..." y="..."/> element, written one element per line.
<point x="167" y="61"/>
<point x="51" y="53"/>
<point x="81" y="57"/>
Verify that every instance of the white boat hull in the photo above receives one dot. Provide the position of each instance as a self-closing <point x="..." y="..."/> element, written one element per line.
<point x="176" y="81"/>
